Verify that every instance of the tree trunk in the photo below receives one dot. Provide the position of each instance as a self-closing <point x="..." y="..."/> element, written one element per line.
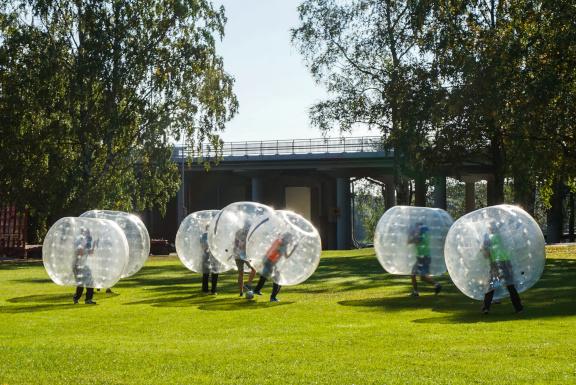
<point x="525" y="194"/>
<point x="571" y="219"/>
<point x="402" y="191"/>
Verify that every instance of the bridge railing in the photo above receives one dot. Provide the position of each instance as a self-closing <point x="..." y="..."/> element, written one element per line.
<point x="288" y="147"/>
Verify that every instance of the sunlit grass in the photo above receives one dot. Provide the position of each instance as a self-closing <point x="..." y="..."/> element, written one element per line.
<point x="350" y="323"/>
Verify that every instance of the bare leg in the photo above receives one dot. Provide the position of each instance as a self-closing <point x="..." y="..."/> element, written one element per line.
<point x="437" y="286"/>
<point x="414" y="284"/>
<point x="427" y="278"/>
<point x="251" y="276"/>
<point x="241" y="281"/>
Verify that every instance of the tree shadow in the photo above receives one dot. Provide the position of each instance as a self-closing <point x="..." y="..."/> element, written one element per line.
<point x="553" y="296"/>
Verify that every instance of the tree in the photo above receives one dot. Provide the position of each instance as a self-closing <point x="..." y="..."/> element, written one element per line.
<point x="366" y="54"/>
<point x="93" y="94"/>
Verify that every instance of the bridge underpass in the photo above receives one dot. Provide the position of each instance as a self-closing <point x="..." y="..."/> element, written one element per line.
<point x="310" y="176"/>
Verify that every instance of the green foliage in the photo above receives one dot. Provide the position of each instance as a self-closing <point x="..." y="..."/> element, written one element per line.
<point x="350" y="323"/>
<point x="488" y="82"/>
<point x="369" y="208"/>
<point x="93" y="93"/>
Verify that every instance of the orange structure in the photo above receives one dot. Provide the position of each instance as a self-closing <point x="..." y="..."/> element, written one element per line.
<point x="13" y="231"/>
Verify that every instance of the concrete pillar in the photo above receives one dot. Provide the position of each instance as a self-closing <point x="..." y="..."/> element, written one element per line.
<point x="420" y="192"/>
<point x="257" y="189"/>
<point x="555" y="217"/>
<point x="440" y="192"/>
<point x="343" y="224"/>
<point x="469" y="197"/>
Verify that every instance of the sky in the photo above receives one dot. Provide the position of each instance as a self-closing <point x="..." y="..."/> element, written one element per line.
<point x="274" y="88"/>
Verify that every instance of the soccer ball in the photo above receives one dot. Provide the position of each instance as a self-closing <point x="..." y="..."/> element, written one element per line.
<point x="249" y="294"/>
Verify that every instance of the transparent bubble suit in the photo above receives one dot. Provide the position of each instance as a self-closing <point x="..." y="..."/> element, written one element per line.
<point x="136" y="235"/>
<point x="85" y="252"/>
<point x="192" y="243"/>
<point x="509" y="230"/>
<point x="228" y="230"/>
<point x="399" y="233"/>
<point x="284" y="247"/>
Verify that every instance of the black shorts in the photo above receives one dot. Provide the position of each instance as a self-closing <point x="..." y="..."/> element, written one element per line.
<point x="422" y="266"/>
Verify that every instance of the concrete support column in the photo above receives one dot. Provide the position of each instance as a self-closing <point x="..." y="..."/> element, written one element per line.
<point x="343" y="224"/>
<point x="469" y="197"/>
<point x="420" y="192"/>
<point x="257" y="189"/>
<point x="555" y="215"/>
<point x="440" y="192"/>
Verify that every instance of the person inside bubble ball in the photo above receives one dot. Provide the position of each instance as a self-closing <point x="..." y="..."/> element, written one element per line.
<point x="501" y="273"/>
<point x="240" y="258"/>
<point x="207" y="260"/>
<point x="420" y="237"/>
<point x="277" y="250"/>
<point x="83" y="248"/>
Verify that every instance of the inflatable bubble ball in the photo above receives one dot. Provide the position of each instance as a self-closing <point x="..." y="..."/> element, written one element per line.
<point x="410" y="240"/>
<point x="85" y="252"/>
<point x="192" y="243"/>
<point x="285" y="247"/>
<point x="136" y="234"/>
<point x="491" y="248"/>
<point x="228" y="230"/>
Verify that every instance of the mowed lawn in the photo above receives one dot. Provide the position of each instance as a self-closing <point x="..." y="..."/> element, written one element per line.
<point x="350" y="323"/>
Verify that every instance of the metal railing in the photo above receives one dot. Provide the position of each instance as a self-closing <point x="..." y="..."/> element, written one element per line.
<point x="286" y="147"/>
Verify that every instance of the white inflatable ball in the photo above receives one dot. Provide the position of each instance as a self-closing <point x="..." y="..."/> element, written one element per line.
<point x="410" y="240"/>
<point x="284" y="247"/>
<point x="228" y="230"/>
<point x="249" y="294"/>
<point x="85" y="252"/>
<point x="491" y="248"/>
<point x="192" y="243"/>
<point x="136" y="234"/>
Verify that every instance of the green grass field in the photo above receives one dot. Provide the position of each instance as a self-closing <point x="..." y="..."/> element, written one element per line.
<point x="350" y="323"/>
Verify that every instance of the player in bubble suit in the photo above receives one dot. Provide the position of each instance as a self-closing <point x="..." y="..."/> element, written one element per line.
<point x="83" y="246"/>
<point x="501" y="273"/>
<point x="239" y="252"/>
<point x="206" y="265"/>
<point x="277" y="250"/>
<point x="420" y="237"/>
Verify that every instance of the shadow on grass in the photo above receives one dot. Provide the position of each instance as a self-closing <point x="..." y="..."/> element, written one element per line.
<point x="235" y="304"/>
<point x="48" y="302"/>
<point x="553" y="296"/>
<point x="209" y="302"/>
<point x="37" y="308"/>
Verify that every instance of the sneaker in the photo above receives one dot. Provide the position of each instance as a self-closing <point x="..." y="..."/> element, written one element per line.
<point x="518" y="311"/>
<point x="415" y="293"/>
<point x="437" y="288"/>
<point x="241" y="294"/>
<point x="247" y="287"/>
<point x="257" y="292"/>
<point x="485" y="310"/>
<point x="75" y="301"/>
<point x="89" y="302"/>
<point x="274" y="300"/>
<point x="109" y="291"/>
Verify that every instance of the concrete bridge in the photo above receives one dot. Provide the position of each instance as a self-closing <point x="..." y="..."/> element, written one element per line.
<point x="309" y="176"/>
